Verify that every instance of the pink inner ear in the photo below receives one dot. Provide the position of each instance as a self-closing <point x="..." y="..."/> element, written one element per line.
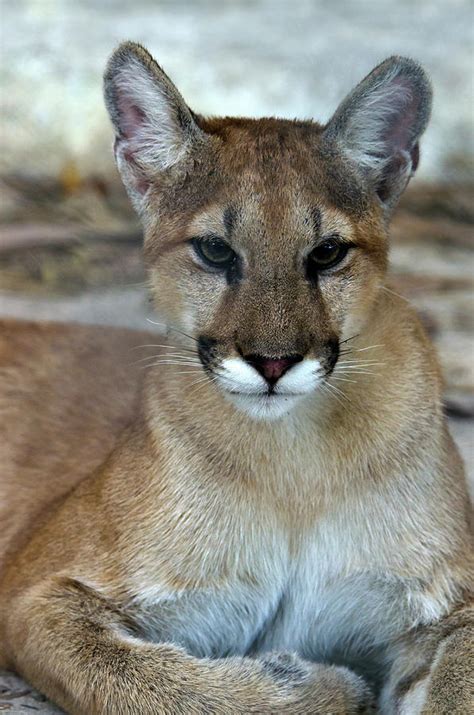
<point x="132" y="118"/>
<point x="405" y="111"/>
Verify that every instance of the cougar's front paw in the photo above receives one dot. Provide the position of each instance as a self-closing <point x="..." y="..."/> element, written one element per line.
<point x="287" y="668"/>
<point x="320" y="688"/>
<point x="342" y="692"/>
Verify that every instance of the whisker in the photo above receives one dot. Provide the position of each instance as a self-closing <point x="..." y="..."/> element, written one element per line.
<point x="169" y="362"/>
<point x="359" y="363"/>
<point x="355" y="364"/>
<point x="353" y="367"/>
<point x="369" y="347"/>
<point x="204" y="378"/>
<point x="202" y="384"/>
<point x="180" y="372"/>
<point x="164" y="361"/>
<point x="168" y="347"/>
<point x="188" y="372"/>
<point x="189" y="358"/>
<point x="338" y="391"/>
<point x="326" y="388"/>
<point x="402" y="297"/>
<point x="174" y="357"/>
<point x="356" y="372"/>
<point x="171" y="327"/>
<point x="351" y="351"/>
<point x="186" y="358"/>
<point x="348" y="339"/>
<point x="359" y="359"/>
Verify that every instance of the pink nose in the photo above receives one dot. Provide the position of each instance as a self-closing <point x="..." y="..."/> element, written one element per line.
<point x="272" y="368"/>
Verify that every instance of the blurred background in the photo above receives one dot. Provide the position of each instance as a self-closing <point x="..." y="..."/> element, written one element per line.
<point x="70" y="244"/>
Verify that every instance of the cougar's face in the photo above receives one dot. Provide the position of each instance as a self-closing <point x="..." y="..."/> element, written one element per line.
<point x="266" y="238"/>
<point x="269" y="275"/>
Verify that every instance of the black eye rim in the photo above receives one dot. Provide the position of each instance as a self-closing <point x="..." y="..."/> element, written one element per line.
<point x="199" y="241"/>
<point x="342" y="247"/>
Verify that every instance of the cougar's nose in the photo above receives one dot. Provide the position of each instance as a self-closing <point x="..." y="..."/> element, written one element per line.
<point x="272" y="368"/>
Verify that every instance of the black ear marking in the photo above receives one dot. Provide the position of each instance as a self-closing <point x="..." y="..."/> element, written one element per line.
<point x="379" y="124"/>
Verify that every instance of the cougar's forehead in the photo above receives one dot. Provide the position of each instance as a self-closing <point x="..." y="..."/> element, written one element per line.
<point x="282" y="160"/>
<point x="265" y="185"/>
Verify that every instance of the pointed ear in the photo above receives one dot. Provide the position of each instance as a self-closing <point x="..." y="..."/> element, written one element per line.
<point x="155" y="129"/>
<point x="379" y="124"/>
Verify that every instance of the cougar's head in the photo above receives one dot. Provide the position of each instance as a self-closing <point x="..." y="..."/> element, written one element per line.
<point x="266" y="239"/>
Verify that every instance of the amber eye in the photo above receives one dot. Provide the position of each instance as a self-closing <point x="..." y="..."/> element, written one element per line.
<point x="327" y="254"/>
<point x="214" y="252"/>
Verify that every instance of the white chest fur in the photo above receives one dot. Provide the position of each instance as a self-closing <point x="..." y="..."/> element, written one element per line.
<point x="332" y="596"/>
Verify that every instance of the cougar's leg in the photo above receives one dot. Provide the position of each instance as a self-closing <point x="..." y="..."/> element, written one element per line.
<point x="433" y="669"/>
<point x="81" y="651"/>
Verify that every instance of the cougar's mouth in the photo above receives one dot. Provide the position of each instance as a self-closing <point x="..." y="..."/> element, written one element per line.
<point x="263" y="406"/>
<point x="251" y="393"/>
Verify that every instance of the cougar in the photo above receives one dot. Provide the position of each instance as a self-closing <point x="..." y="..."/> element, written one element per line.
<point x="273" y="517"/>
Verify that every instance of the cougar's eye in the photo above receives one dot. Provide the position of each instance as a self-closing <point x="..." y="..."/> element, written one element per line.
<point x="327" y="254"/>
<point x="214" y="252"/>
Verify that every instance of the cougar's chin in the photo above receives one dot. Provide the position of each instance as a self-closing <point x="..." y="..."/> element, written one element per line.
<point x="263" y="406"/>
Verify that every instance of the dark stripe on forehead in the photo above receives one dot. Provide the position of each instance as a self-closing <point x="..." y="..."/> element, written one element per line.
<point x="229" y="220"/>
<point x="316" y="220"/>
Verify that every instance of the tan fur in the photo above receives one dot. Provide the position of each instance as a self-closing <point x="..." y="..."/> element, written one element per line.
<point x="61" y="408"/>
<point x="170" y="551"/>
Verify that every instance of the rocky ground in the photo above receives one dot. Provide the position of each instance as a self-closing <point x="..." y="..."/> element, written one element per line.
<point x="78" y="257"/>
